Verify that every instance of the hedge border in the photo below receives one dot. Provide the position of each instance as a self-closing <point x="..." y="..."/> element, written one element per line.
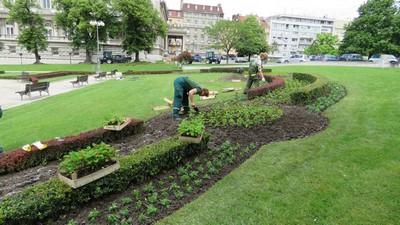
<point x="230" y="70"/>
<point x="309" y="93"/>
<point x="18" y="159"/>
<point x="274" y="82"/>
<point x="52" y="198"/>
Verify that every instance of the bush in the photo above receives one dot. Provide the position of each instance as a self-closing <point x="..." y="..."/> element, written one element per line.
<point x="309" y="93"/>
<point x="336" y="92"/>
<point x="185" y="56"/>
<point x="52" y="198"/>
<point x="273" y="83"/>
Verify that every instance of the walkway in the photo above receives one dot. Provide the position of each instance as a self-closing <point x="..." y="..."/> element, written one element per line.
<point x="9" y="99"/>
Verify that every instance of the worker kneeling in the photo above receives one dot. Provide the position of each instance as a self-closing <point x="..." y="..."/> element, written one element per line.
<point x="184" y="89"/>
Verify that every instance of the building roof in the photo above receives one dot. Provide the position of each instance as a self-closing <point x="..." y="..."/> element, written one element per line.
<point x="188" y="7"/>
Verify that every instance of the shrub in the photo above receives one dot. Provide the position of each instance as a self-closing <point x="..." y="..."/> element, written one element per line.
<point x="309" y="93"/>
<point x="336" y="92"/>
<point x="273" y="83"/>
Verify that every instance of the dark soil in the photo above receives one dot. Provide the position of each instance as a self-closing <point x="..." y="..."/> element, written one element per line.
<point x="295" y="123"/>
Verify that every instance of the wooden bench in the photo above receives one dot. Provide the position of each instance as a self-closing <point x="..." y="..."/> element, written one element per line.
<point x="23" y="77"/>
<point x="80" y="80"/>
<point x="101" y="75"/>
<point x="29" y="88"/>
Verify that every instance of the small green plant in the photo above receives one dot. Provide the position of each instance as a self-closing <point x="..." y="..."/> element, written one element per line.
<point x="153" y="198"/>
<point x="112" y="218"/>
<point x="192" y="127"/>
<point x="151" y="210"/>
<point x="126" y="201"/>
<point x="94" y="214"/>
<point x="194" y="174"/>
<point x="72" y="222"/>
<point x="113" y="206"/>
<point x="88" y="159"/>
<point x="138" y="205"/>
<point x="136" y="193"/>
<point x="115" y="120"/>
<point x="179" y="195"/>
<point x="171" y="178"/>
<point x="126" y="221"/>
<point x="165" y="202"/>
<point x="125" y="212"/>
<point x="174" y="186"/>
<point x="198" y="182"/>
<point x="149" y="188"/>
<point x="185" y="178"/>
<point x="142" y="218"/>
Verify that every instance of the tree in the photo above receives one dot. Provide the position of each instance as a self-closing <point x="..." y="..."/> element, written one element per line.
<point x="225" y="35"/>
<point x="141" y="26"/>
<point x="375" y="30"/>
<point x="74" y="18"/>
<point x="31" y="25"/>
<point x="253" y="38"/>
<point x="324" y="44"/>
<point x="273" y="47"/>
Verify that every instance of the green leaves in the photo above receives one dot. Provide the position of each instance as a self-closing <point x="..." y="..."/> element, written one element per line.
<point x="191" y="127"/>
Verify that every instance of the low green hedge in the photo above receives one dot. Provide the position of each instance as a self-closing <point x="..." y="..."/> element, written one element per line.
<point x="309" y="93"/>
<point x="273" y="83"/>
<point x="230" y="70"/>
<point x="53" y="198"/>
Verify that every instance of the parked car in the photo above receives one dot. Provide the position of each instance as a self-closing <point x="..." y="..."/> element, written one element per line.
<point x="383" y="57"/>
<point x="241" y="59"/>
<point x="351" y="57"/>
<point x="109" y="58"/>
<point x="294" y="59"/>
<point x="316" y="57"/>
<point x="330" y="58"/>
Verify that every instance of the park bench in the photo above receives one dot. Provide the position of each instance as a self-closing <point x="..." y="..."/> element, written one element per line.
<point x="112" y="73"/>
<point x="80" y="80"/>
<point x="23" y="77"/>
<point x="101" y="75"/>
<point x="29" y="88"/>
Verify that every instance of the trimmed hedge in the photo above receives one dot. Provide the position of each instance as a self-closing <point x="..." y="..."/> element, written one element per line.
<point x="18" y="159"/>
<point x="273" y="83"/>
<point x="309" y="93"/>
<point x="53" y="198"/>
<point x="230" y="70"/>
<point x="130" y="72"/>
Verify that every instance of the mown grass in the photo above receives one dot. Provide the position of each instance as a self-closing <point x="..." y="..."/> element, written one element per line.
<point x="347" y="174"/>
<point x="87" y="108"/>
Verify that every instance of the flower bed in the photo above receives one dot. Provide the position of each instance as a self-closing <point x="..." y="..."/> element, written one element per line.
<point x="18" y="159"/>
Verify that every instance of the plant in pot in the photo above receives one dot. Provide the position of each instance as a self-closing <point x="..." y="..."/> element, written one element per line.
<point x="86" y="165"/>
<point x="116" y="122"/>
<point x="191" y="130"/>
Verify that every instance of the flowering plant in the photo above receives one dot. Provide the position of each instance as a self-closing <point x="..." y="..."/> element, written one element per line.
<point x="89" y="159"/>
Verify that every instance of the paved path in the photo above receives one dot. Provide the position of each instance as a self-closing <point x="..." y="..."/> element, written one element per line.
<point x="9" y="99"/>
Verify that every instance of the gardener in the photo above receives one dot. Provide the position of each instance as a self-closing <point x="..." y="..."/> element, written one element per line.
<point x="184" y="89"/>
<point x="255" y="72"/>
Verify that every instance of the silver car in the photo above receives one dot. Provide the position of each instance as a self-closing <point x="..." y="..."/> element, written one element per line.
<point x="294" y="59"/>
<point x="383" y="57"/>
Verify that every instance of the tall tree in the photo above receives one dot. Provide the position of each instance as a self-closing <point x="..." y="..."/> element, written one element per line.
<point x="141" y="26"/>
<point x="375" y="30"/>
<point x="324" y="44"/>
<point x="74" y="18"/>
<point x="253" y="38"/>
<point x="31" y="25"/>
<point x="225" y="35"/>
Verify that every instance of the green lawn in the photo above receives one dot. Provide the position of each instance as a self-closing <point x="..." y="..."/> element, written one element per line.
<point x="347" y="174"/>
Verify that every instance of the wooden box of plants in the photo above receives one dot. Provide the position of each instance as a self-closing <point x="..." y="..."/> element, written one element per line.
<point x="116" y="123"/>
<point x="84" y="166"/>
<point x="191" y="130"/>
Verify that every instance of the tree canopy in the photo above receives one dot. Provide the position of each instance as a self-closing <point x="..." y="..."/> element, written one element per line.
<point x="324" y="44"/>
<point x="141" y="25"/>
<point x="31" y="25"/>
<point x="375" y="30"/>
<point x="74" y="18"/>
<point x="252" y="37"/>
<point x="225" y="35"/>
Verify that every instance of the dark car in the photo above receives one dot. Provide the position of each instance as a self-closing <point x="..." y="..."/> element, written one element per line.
<point x="115" y="59"/>
<point x="351" y="57"/>
<point x="330" y="58"/>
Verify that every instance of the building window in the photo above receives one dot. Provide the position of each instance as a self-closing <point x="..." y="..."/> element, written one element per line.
<point x="54" y="51"/>
<point x="46" y="4"/>
<point x="12" y="49"/>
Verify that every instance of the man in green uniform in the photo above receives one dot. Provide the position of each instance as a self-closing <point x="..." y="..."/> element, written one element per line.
<point x="255" y="72"/>
<point x="184" y="89"/>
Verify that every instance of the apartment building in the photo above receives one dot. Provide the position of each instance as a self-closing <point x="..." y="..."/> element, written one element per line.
<point x="187" y="26"/>
<point x="294" y="34"/>
<point x="59" y="49"/>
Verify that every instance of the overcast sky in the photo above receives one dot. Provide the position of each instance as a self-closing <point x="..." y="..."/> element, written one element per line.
<point x="336" y="9"/>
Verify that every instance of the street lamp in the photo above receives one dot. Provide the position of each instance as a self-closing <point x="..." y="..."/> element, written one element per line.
<point x="20" y="55"/>
<point x="97" y="24"/>
<point x="70" y="53"/>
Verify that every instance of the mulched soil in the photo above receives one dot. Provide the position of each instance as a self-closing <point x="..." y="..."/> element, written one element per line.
<point x="295" y="123"/>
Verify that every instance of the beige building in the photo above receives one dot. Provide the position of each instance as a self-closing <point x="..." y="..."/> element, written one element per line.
<point x="59" y="50"/>
<point x="187" y="26"/>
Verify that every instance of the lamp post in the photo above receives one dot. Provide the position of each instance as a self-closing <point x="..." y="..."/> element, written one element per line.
<point x="97" y="24"/>
<point x="20" y="55"/>
<point x="70" y="53"/>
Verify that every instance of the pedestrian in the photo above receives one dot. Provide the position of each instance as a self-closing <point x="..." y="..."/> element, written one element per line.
<point x="184" y="89"/>
<point x="255" y="72"/>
